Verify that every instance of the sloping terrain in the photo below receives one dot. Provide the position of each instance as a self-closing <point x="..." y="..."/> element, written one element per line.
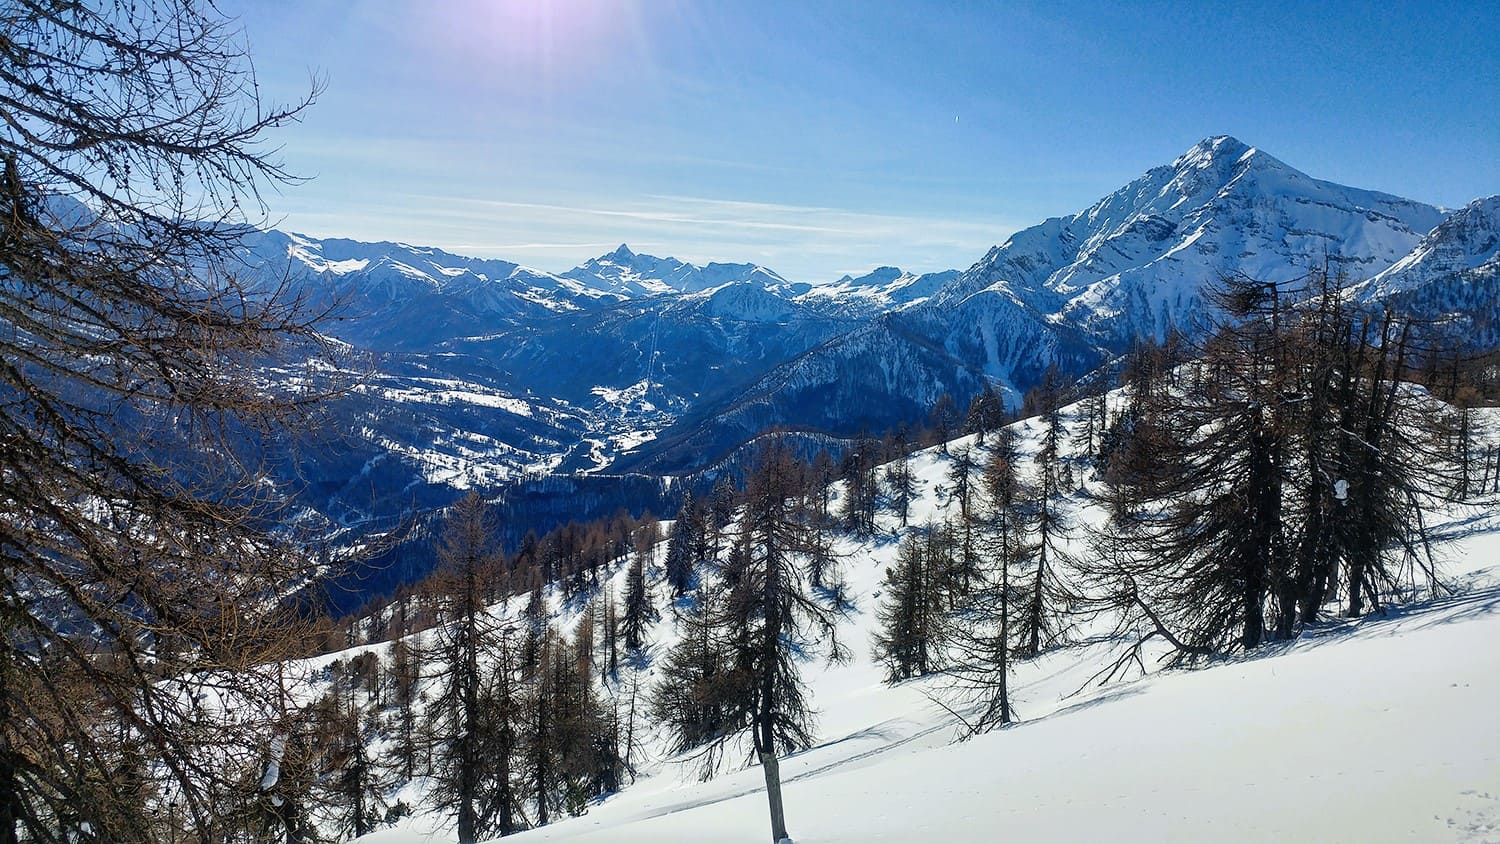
<point x="1452" y="276"/>
<point x="1377" y="729"/>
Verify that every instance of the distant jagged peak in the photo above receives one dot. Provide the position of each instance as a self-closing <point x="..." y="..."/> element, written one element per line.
<point x="624" y="256"/>
<point x="882" y="289"/>
<point x="1465" y="243"/>
<point x="631" y="273"/>
<point x="879" y="277"/>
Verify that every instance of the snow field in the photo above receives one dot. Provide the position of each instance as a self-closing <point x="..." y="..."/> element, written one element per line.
<point x="1381" y="729"/>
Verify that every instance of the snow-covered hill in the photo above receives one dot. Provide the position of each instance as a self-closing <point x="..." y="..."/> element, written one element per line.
<point x="1379" y="729"/>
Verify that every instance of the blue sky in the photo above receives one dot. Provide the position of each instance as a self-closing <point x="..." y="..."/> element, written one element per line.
<point x="820" y="138"/>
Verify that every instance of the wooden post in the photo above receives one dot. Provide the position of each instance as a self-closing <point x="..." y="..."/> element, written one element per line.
<point x="772" y="768"/>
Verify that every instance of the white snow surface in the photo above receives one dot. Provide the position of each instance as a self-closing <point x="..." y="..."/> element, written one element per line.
<point x="1372" y="730"/>
<point x="1465" y="244"/>
<point x="882" y="289"/>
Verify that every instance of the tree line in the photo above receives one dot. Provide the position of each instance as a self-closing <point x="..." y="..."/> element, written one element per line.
<point x="1273" y="476"/>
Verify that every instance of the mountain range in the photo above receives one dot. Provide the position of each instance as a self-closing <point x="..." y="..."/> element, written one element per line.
<point x="484" y="372"/>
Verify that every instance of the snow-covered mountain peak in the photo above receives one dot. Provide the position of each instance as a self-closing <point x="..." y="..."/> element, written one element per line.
<point x="628" y="273"/>
<point x="1221" y="152"/>
<point x="1135" y="263"/>
<point x="633" y="274"/>
<point x="877" y="276"/>
<point x="1467" y="242"/>
<point x="1452" y="277"/>
<point x="747" y="301"/>
<point x="882" y="289"/>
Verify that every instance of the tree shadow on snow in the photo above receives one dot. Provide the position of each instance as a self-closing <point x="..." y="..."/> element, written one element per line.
<point x="1393" y="620"/>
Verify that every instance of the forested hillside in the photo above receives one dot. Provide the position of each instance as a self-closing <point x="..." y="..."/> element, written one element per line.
<point x="1221" y="510"/>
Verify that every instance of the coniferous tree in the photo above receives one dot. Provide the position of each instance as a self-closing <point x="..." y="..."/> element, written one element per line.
<point x="351" y="784"/>
<point x="943" y="421"/>
<point x="533" y="624"/>
<point x="1044" y="599"/>
<point x="1389" y="459"/>
<point x="861" y="487"/>
<point x="1287" y="458"/>
<point x="611" y="634"/>
<point x="961" y="490"/>
<point x="644" y="539"/>
<point x="981" y="638"/>
<point x="699" y="695"/>
<point x="684" y="546"/>
<point x="910" y="614"/>
<point x="986" y="414"/>
<point x="901" y="486"/>
<point x="1093" y="412"/>
<point x="463" y="640"/>
<point x="133" y="508"/>
<point x="820" y="478"/>
<point x="631" y="722"/>
<point x="720" y="513"/>
<point x="280" y="811"/>
<point x="500" y="741"/>
<point x="638" y="612"/>
<point x="404" y="675"/>
<point x="771" y="618"/>
<point x="537" y="728"/>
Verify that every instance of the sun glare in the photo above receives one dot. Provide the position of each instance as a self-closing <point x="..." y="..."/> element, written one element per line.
<point x="551" y="41"/>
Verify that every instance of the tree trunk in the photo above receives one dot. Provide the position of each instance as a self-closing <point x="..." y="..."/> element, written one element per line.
<point x="543" y="766"/>
<point x="1005" y="635"/>
<point x="9" y="793"/>
<point x="766" y="728"/>
<point x="468" y="773"/>
<point x="1263" y="557"/>
<point x="1034" y="612"/>
<point x="772" y="768"/>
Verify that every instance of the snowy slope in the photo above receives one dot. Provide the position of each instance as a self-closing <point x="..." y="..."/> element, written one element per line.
<point x="880" y="290"/>
<point x="1385" y="734"/>
<point x="1451" y="277"/>
<point x="1380" y="729"/>
<point x="1136" y="261"/>
<point x="1465" y="244"/>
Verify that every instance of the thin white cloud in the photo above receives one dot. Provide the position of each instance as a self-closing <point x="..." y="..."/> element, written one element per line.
<point x="803" y="242"/>
<point x="462" y="248"/>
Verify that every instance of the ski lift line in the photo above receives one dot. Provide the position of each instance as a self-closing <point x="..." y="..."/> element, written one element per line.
<point x="651" y="358"/>
<point x="650" y="365"/>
